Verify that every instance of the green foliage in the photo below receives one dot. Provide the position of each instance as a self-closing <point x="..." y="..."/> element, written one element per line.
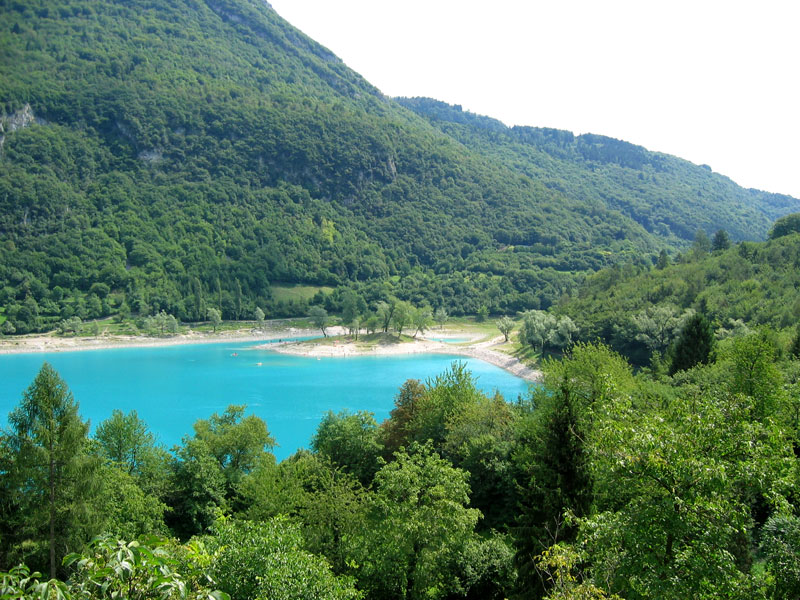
<point x="215" y="317"/>
<point x="70" y="325"/>
<point x="674" y="490"/>
<point x="541" y="329"/>
<point x="20" y="583"/>
<point x="124" y="507"/>
<point x="445" y="396"/>
<point x="266" y="561"/>
<point x="320" y="319"/>
<point x="506" y="326"/>
<point x="396" y="432"/>
<point x="350" y="442"/>
<point x="694" y="346"/>
<point x="794" y="350"/>
<point x="48" y="481"/>
<point x="125" y="440"/>
<point x="551" y="460"/>
<point x="440" y="316"/>
<point x="176" y="157"/>
<point x="210" y="466"/>
<point x="480" y="439"/>
<point x="785" y="225"/>
<point x="701" y="245"/>
<point x="721" y="241"/>
<point x="162" y="323"/>
<point x="421" y="318"/>
<point x="418" y="524"/>
<point x="560" y="566"/>
<point x="746" y="286"/>
<point x="127" y="443"/>
<point x="605" y="482"/>
<point x="658" y="326"/>
<point x="750" y="360"/>
<point x="780" y="544"/>
<point x="615" y="177"/>
<point x="402" y="314"/>
<point x="137" y="570"/>
<point x="328" y="503"/>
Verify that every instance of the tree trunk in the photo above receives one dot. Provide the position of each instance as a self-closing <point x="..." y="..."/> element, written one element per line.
<point x="52" y="482"/>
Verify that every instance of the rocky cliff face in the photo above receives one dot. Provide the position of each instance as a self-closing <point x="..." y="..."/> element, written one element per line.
<point x="10" y="123"/>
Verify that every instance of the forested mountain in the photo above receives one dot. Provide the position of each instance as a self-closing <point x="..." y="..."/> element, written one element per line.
<point x="668" y="196"/>
<point x="180" y="154"/>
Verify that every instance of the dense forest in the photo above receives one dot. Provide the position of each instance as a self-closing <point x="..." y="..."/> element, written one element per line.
<point x="659" y="460"/>
<point x="184" y="154"/>
<point x="737" y="287"/>
<point x="601" y="483"/>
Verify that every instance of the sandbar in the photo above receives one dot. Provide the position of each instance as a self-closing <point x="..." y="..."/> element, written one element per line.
<point x="344" y="347"/>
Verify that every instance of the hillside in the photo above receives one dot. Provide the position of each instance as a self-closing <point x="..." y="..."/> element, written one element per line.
<point x="749" y="285"/>
<point x="182" y="154"/>
<point x="668" y="196"/>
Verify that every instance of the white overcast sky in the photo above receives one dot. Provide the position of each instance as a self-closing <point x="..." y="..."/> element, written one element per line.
<point x="714" y="82"/>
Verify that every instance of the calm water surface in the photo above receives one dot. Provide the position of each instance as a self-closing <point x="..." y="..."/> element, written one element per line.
<point x="172" y="387"/>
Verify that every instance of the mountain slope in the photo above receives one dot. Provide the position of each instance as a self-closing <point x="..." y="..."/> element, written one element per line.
<point x="668" y="196"/>
<point x="185" y="153"/>
<point x="751" y="284"/>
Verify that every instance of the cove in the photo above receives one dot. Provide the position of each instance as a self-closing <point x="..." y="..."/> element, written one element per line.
<point x="171" y="387"/>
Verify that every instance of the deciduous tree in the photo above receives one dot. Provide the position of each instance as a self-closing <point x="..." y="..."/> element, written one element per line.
<point x="506" y="326"/>
<point x="320" y="319"/>
<point x="214" y="316"/>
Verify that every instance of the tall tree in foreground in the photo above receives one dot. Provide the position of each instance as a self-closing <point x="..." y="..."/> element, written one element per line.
<point x="418" y="525"/>
<point x="552" y="461"/>
<point x="210" y="466"/>
<point x="47" y="473"/>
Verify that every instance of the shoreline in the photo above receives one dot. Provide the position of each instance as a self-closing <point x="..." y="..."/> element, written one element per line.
<point x="39" y="344"/>
<point x="344" y="349"/>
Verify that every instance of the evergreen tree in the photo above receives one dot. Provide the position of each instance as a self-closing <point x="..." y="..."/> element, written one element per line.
<point x="721" y="241"/>
<point x="663" y="260"/>
<point x="694" y="346"/>
<point x="47" y="476"/>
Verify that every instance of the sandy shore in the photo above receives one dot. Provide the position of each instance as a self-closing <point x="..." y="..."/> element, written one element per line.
<point x="482" y="351"/>
<point x="53" y="343"/>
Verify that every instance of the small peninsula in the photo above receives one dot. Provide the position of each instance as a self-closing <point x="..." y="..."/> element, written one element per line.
<point x="385" y="344"/>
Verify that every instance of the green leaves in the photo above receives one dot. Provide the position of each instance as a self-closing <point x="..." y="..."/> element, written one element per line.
<point x="20" y="584"/>
<point x="674" y="492"/>
<point x="137" y="570"/>
<point x="418" y="523"/>
<point x="266" y="561"/>
<point x="50" y="475"/>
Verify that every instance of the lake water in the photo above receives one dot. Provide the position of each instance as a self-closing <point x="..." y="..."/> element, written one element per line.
<point x="173" y="386"/>
<point x="451" y="340"/>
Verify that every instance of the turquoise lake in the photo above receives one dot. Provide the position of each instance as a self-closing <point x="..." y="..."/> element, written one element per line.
<point x="173" y="386"/>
